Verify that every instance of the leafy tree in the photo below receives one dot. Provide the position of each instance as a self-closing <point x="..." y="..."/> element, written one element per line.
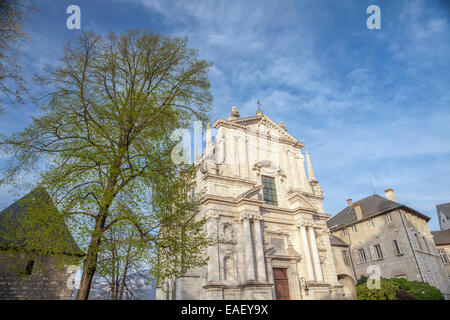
<point x="120" y="254"/>
<point x="12" y="15"/>
<point x="104" y="144"/>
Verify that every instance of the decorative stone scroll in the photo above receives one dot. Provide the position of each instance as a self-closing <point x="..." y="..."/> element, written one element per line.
<point x="211" y="214"/>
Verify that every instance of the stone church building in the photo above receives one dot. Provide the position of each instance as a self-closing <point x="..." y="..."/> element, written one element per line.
<point x="264" y="205"/>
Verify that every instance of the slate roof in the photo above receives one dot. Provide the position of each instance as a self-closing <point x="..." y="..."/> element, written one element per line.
<point x="51" y="229"/>
<point x="444" y="208"/>
<point x="441" y="237"/>
<point x="338" y="242"/>
<point x="371" y="206"/>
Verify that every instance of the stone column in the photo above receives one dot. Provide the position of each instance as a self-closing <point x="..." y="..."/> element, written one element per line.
<point x="331" y="268"/>
<point x="249" y="262"/>
<point x="213" y="251"/>
<point x="260" y="260"/>
<point x="315" y="254"/>
<point x="306" y="252"/>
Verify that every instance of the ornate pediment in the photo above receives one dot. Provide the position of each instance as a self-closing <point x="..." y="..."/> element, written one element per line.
<point x="260" y="125"/>
<point x="296" y="197"/>
<point x="251" y="193"/>
<point x="288" y="254"/>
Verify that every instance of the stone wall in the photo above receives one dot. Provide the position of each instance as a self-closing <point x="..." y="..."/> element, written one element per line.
<point x="50" y="284"/>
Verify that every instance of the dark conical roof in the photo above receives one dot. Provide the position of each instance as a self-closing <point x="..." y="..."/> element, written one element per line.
<point x="18" y="232"/>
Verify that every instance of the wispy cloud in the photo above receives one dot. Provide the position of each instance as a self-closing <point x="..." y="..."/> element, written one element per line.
<point x="365" y="102"/>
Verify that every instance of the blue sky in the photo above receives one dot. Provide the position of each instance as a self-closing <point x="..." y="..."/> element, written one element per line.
<point x="368" y="104"/>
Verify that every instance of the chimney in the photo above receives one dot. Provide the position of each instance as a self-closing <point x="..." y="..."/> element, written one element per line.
<point x="357" y="211"/>
<point x="390" y="194"/>
<point x="349" y="202"/>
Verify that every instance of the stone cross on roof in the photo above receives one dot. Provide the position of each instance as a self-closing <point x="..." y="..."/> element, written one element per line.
<point x="259" y="112"/>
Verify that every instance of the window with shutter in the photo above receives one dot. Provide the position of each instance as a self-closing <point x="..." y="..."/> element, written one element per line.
<point x="444" y="256"/>
<point x="346" y="258"/>
<point x="388" y="217"/>
<point x="419" y="245"/>
<point x="373" y="252"/>
<point x="362" y="255"/>
<point x="357" y="257"/>
<point x="367" y="254"/>
<point x="378" y="254"/>
<point x="397" y="248"/>
<point x="383" y="251"/>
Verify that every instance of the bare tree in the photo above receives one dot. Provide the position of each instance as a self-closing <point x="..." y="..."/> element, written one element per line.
<point x="12" y="16"/>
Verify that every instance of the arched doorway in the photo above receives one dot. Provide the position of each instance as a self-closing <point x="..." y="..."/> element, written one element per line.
<point x="349" y="286"/>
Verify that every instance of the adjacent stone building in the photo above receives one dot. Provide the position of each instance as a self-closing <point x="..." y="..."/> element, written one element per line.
<point x="25" y="274"/>
<point x="443" y="212"/>
<point x="442" y="238"/>
<point x="265" y="209"/>
<point x="442" y="241"/>
<point x="383" y="232"/>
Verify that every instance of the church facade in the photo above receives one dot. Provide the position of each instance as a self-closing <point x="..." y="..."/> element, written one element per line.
<point x="263" y="204"/>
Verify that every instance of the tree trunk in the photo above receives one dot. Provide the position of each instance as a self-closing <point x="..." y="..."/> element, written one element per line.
<point x="124" y="276"/>
<point x="90" y="263"/>
<point x="89" y="267"/>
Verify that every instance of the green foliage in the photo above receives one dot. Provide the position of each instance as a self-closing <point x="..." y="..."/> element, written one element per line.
<point x="362" y="280"/>
<point x="398" y="289"/>
<point x="102" y="146"/>
<point x="388" y="291"/>
<point x="415" y="289"/>
<point x="402" y="294"/>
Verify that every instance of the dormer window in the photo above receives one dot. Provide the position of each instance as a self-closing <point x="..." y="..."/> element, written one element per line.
<point x="269" y="191"/>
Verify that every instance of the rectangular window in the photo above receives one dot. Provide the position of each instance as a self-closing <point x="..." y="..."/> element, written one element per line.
<point x="346" y="257"/>
<point x="29" y="267"/>
<point x="426" y="244"/>
<point x="444" y="256"/>
<point x="388" y="217"/>
<point x="354" y="230"/>
<point x="370" y="223"/>
<point x="378" y="252"/>
<point x="270" y="193"/>
<point x="344" y="232"/>
<point x="397" y="248"/>
<point x="362" y="255"/>
<point x="418" y="242"/>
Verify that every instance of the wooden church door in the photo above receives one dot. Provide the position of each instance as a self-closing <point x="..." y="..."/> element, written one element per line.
<point x="281" y="284"/>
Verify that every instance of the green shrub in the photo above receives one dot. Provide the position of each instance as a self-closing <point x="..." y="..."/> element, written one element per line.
<point x="415" y="288"/>
<point x="398" y="289"/>
<point x="361" y="280"/>
<point x="402" y="294"/>
<point x="388" y="291"/>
